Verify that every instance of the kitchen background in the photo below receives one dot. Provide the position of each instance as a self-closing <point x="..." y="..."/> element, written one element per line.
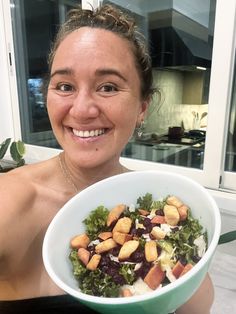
<point x="180" y="37"/>
<point x="184" y="90"/>
<point x="171" y="106"/>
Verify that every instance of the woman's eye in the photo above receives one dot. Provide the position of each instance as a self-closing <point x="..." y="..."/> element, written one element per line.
<point x="64" y="87"/>
<point x="108" y="88"/>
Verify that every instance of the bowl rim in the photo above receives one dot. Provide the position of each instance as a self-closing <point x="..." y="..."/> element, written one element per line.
<point x="149" y="295"/>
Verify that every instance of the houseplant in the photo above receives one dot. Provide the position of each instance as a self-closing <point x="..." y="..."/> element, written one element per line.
<point x="17" y="152"/>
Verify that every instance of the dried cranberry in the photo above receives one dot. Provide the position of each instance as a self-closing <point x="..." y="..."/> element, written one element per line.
<point x="148" y="225"/>
<point x="137" y="257"/>
<point x="143" y="270"/>
<point x="183" y="260"/>
<point x="119" y="279"/>
<point x="115" y="251"/>
<point x="196" y="258"/>
<point x="175" y="229"/>
<point x="140" y="231"/>
<point x="160" y="212"/>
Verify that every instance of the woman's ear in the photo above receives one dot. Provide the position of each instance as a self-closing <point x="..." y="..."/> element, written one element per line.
<point x="143" y="110"/>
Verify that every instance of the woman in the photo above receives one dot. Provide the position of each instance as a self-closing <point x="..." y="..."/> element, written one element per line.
<point x="99" y="88"/>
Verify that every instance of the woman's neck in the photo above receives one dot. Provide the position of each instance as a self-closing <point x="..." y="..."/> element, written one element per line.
<point x="79" y="178"/>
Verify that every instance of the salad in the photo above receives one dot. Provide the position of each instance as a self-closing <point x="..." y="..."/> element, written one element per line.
<point x="133" y="249"/>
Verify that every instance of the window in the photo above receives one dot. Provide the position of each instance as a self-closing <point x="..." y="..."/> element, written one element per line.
<point x="212" y="163"/>
<point x="180" y="36"/>
<point x="34" y="26"/>
<point x="230" y="158"/>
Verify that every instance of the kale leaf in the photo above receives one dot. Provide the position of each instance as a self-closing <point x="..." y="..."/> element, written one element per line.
<point x="145" y="202"/>
<point x="182" y="239"/>
<point x="79" y="269"/>
<point x="127" y="271"/>
<point x="96" y="222"/>
<point x="93" y="282"/>
<point x="99" y="284"/>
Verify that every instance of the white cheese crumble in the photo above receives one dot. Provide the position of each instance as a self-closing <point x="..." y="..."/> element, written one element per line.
<point x="132" y="208"/>
<point x="166" y="228"/>
<point x="95" y="242"/>
<point x="201" y="245"/>
<point x="169" y="274"/>
<point x="138" y="288"/>
<point x="113" y="258"/>
<point x="152" y="214"/>
<point x="138" y="225"/>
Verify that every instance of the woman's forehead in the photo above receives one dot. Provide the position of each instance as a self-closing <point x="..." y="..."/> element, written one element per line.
<point x="92" y="47"/>
<point x="93" y="43"/>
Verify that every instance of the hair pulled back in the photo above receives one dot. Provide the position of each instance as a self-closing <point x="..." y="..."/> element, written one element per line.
<point x="111" y="18"/>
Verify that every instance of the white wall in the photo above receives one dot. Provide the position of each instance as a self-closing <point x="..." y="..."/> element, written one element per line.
<point x="6" y="129"/>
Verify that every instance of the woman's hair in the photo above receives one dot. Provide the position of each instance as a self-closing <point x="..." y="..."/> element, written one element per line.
<point x="110" y="18"/>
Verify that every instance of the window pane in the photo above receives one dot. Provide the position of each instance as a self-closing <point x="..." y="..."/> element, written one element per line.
<point x="230" y="158"/>
<point x="35" y="23"/>
<point x="180" y="34"/>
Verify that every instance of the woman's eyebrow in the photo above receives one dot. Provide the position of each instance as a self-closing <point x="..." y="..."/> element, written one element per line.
<point x="109" y="71"/>
<point x="98" y="72"/>
<point x="63" y="71"/>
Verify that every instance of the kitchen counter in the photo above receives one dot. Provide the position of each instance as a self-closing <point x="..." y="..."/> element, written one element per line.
<point x="169" y="153"/>
<point x="151" y="152"/>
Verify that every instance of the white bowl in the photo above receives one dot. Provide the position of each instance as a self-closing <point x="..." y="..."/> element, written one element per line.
<point x="126" y="188"/>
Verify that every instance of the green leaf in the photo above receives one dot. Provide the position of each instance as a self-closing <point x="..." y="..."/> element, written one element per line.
<point x="127" y="271"/>
<point x="14" y="152"/>
<point x="227" y="237"/>
<point x="145" y="202"/>
<point x="20" y="146"/>
<point x="4" y="147"/>
<point x="96" y="222"/>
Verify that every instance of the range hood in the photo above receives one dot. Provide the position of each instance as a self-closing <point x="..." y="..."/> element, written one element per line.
<point x="176" y="41"/>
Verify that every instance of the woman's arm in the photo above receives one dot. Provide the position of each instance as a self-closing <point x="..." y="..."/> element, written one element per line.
<point x="201" y="302"/>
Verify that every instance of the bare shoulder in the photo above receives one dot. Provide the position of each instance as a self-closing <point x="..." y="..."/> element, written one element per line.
<point x="15" y="190"/>
<point x="23" y="193"/>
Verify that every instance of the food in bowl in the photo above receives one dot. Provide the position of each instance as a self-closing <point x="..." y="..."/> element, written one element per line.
<point x="135" y="249"/>
<point x="127" y="188"/>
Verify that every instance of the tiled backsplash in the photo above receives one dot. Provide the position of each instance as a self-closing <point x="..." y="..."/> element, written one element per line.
<point x="167" y="108"/>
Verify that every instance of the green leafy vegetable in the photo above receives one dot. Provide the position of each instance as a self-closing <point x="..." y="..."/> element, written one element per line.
<point x="127" y="271"/>
<point x="93" y="282"/>
<point x="158" y="204"/>
<point x="99" y="284"/>
<point x="145" y="202"/>
<point x="79" y="269"/>
<point x="182" y="240"/>
<point x="133" y="215"/>
<point x="96" y="222"/>
<point x="165" y="245"/>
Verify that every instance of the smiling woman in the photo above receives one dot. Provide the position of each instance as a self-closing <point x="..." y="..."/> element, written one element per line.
<point x="94" y="101"/>
<point x="87" y="98"/>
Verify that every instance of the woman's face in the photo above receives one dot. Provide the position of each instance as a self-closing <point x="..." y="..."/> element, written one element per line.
<point x="94" y="96"/>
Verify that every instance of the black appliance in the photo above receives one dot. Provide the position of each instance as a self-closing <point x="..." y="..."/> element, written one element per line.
<point x="191" y="137"/>
<point x="171" y="47"/>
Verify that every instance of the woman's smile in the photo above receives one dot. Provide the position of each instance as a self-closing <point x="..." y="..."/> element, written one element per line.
<point x="86" y="134"/>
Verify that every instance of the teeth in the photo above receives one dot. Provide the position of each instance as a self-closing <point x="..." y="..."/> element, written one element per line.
<point x="90" y="133"/>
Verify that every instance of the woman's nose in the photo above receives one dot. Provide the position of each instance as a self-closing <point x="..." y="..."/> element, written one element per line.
<point x="84" y="106"/>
